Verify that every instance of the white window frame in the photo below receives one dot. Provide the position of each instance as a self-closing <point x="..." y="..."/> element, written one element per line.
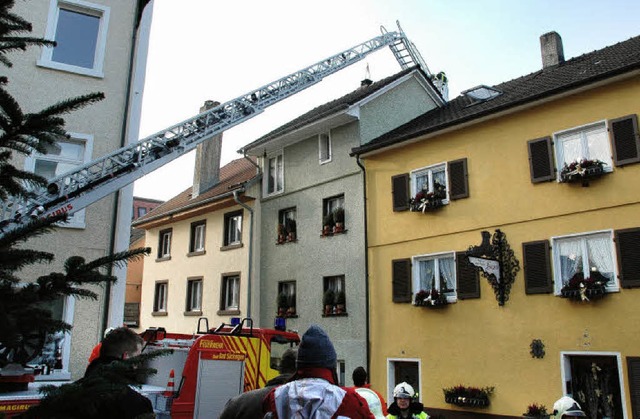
<point x="164" y="241"/>
<point x="198" y="238"/>
<point x="77" y="220"/>
<point x="325" y="147"/>
<point x="279" y="175"/>
<point x="231" y="293"/>
<point x="80" y="6"/>
<point x="452" y="297"/>
<point x="194" y="294"/>
<point x="560" y="136"/>
<point x="429" y="170"/>
<point x="160" y="305"/>
<point x="231" y="233"/>
<point x="557" y="274"/>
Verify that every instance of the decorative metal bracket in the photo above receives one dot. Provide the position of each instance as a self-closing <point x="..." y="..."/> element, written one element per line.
<point x="537" y="348"/>
<point x="495" y="260"/>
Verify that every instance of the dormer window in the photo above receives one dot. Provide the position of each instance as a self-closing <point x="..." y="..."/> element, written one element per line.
<point x="482" y="93"/>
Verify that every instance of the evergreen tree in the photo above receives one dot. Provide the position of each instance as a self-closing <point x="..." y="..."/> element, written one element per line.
<point x="25" y="319"/>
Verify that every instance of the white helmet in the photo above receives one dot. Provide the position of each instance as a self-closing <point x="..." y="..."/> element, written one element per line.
<point x="403" y="391"/>
<point x="566" y="406"/>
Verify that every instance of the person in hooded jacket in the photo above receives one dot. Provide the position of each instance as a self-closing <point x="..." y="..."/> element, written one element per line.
<point x="313" y="392"/>
<point x="404" y="405"/>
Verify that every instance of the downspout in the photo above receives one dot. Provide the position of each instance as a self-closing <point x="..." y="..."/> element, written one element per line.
<point x="250" y="255"/>
<point x="123" y="142"/>
<point x="366" y="261"/>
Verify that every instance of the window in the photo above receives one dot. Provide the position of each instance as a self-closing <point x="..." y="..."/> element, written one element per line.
<point x="287" y="298"/>
<point x="60" y="158"/>
<point x="80" y="31"/>
<point x="430" y="179"/>
<point x="194" y="295"/>
<point x="581" y="254"/>
<point x="160" y="297"/>
<point x="56" y="349"/>
<point x="196" y="244"/>
<point x="287" y="226"/>
<point x="589" y="142"/>
<point x="334" y="295"/>
<point x="435" y="271"/>
<point x="141" y="211"/>
<point x="333" y="218"/>
<point x="164" y="244"/>
<point x="230" y="299"/>
<point x="274" y="175"/>
<point x="324" y="147"/>
<point x="233" y="228"/>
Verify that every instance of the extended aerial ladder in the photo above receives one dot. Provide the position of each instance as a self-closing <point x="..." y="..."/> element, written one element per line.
<point x="87" y="184"/>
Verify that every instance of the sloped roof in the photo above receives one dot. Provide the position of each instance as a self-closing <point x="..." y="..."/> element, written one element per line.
<point x="232" y="176"/>
<point x="577" y="72"/>
<point x="330" y="108"/>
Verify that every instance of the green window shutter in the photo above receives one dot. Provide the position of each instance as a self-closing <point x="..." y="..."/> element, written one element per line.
<point x="628" y="251"/>
<point x="633" y="374"/>
<point x="541" y="160"/>
<point x="537" y="267"/>
<point x="400" y="192"/>
<point x="458" y="179"/>
<point x="625" y="140"/>
<point x="467" y="277"/>
<point x="401" y="280"/>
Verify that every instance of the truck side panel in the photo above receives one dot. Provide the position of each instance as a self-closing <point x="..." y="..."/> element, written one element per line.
<point x="218" y="381"/>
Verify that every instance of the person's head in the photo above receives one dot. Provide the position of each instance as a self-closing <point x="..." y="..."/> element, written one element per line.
<point x="316" y="350"/>
<point x="403" y="394"/>
<point x="359" y="377"/>
<point x="288" y="361"/>
<point x="122" y="343"/>
<point x="567" y="407"/>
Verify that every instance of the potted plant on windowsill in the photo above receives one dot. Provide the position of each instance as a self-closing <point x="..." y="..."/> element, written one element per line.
<point x="338" y="219"/>
<point x="537" y="411"/>
<point x="340" y="301"/>
<point x="290" y="228"/>
<point x="431" y="298"/>
<point x="281" y="233"/>
<point x="283" y="304"/>
<point x="327" y="224"/>
<point x="426" y="201"/>
<point x="327" y="300"/>
<point x="581" y="170"/>
<point x="291" y="303"/>
<point x="584" y="289"/>
<point x="468" y="396"/>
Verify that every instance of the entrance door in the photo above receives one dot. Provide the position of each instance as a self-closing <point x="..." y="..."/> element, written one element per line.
<point x="595" y="384"/>
<point x="407" y="371"/>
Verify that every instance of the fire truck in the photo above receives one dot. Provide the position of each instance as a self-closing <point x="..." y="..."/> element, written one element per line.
<point x="218" y="356"/>
<point x="211" y="366"/>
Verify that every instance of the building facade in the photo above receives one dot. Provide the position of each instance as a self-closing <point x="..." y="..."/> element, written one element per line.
<point x="503" y="242"/>
<point x="311" y="239"/>
<point x="101" y="47"/>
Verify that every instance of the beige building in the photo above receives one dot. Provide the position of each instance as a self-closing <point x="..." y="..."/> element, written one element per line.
<point x="201" y="245"/>
<point x="101" y="47"/>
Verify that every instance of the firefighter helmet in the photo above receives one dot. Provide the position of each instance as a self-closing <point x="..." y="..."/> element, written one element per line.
<point x="403" y="391"/>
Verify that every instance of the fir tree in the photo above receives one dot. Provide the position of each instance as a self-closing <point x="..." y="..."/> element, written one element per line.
<point x="24" y="318"/>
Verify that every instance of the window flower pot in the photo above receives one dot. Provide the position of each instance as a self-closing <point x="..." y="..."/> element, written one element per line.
<point x="579" y="288"/>
<point x="430" y="299"/>
<point x="468" y="396"/>
<point x="581" y="171"/>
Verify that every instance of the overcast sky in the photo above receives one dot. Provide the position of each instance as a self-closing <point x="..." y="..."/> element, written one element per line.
<point x="219" y="50"/>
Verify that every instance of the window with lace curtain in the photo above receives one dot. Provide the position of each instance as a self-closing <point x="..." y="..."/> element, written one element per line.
<point x="435" y="271"/>
<point x="587" y="254"/>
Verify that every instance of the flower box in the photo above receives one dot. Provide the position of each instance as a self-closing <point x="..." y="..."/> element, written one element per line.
<point x="467" y="401"/>
<point x="426" y="201"/>
<point x="430" y="299"/>
<point x="468" y="396"/>
<point x="580" y="288"/>
<point x="580" y="171"/>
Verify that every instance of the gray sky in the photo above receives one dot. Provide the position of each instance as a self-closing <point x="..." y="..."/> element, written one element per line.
<point x="219" y="50"/>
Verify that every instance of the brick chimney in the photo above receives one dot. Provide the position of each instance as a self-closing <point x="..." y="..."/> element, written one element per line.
<point x="551" y="49"/>
<point x="206" y="173"/>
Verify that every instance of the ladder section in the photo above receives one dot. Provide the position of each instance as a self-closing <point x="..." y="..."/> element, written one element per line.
<point x="81" y="187"/>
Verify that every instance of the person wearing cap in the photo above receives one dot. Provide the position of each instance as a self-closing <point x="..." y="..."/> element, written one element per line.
<point x="313" y="391"/>
<point x="249" y="405"/>
<point x="404" y="405"/>
<point x="373" y="398"/>
<point x="566" y="407"/>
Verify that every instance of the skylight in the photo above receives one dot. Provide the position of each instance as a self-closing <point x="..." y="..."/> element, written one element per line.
<point x="482" y="93"/>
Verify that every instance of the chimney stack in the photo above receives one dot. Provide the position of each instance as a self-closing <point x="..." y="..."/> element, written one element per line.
<point x="206" y="173"/>
<point x="551" y="49"/>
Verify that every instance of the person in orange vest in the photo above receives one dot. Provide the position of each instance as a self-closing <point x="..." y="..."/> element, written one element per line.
<point x="361" y="381"/>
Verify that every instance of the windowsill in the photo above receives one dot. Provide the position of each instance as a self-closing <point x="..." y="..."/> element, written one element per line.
<point x="163" y="259"/>
<point x="196" y="253"/>
<point x="231" y="247"/>
<point x="334" y="234"/>
<point x="325" y="161"/>
<point x="228" y="312"/>
<point x="345" y="314"/>
<point x="59" y="375"/>
<point x="288" y="316"/>
<point x="193" y="313"/>
<point x="53" y="65"/>
<point x="286" y="242"/>
<point x="159" y="313"/>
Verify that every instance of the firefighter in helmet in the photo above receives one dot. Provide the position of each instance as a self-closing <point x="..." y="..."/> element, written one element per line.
<point x="405" y="404"/>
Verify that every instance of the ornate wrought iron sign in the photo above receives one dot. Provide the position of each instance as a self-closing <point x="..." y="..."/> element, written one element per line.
<point x="495" y="260"/>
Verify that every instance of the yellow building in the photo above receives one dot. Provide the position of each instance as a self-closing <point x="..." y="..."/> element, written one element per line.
<point x="493" y="160"/>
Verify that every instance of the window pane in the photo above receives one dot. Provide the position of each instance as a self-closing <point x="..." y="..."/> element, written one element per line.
<point x="598" y="143"/>
<point x="439" y="178"/>
<point x="599" y="256"/>
<point x="422" y="181"/>
<point x="427" y="274"/>
<point x="46" y="169"/>
<point x="570" y="258"/>
<point x="76" y="37"/>
<point x="571" y="148"/>
<point x="447" y="275"/>
<point x="271" y="179"/>
<point x="280" y="177"/>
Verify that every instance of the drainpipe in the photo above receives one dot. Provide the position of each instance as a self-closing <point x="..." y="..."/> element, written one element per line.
<point x="249" y="270"/>
<point x="366" y="261"/>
